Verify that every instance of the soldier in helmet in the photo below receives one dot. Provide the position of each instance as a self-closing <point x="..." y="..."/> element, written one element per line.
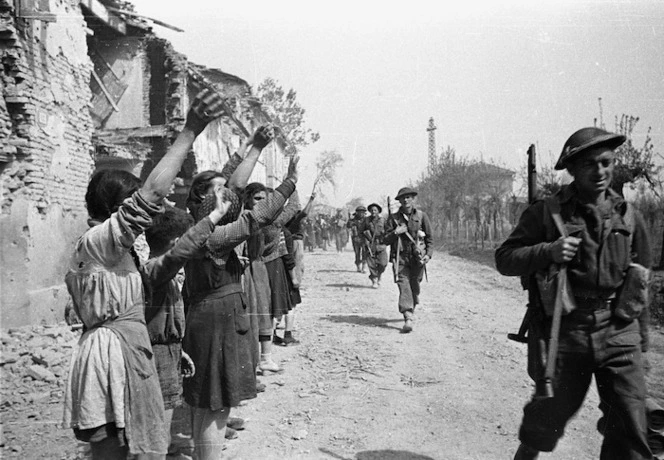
<point x="606" y="243"/>
<point x="354" y="224"/>
<point x="408" y="231"/>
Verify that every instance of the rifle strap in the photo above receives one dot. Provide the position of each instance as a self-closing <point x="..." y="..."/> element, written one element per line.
<point x="554" y="208"/>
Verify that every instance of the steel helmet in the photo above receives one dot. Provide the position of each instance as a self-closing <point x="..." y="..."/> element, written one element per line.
<point x="585" y="139"/>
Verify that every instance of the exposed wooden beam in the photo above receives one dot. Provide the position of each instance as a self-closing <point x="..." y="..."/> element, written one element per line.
<point x="101" y="12"/>
<point x="124" y="134"/>
<point x="105" y="91"/>
<point x="140" y="16"/>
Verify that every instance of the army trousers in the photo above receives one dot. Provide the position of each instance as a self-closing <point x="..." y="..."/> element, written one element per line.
<point x="594" y="343"/>
<point x="409" y="276"/>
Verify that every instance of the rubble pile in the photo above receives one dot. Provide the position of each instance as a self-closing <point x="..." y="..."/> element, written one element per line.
<point x="34" y="362"/>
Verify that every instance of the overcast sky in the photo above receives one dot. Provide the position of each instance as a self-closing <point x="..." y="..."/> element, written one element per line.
<point x="495" y="75"/>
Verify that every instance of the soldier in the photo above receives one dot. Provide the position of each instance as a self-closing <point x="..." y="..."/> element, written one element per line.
<point x="596" y="338"/>
<point x="360" y="249"/>
<point x="372" y="230"/>
<point x="339" y="229"/>
<point x="409" y="234"/>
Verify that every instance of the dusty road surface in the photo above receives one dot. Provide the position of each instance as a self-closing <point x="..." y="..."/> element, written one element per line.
<point x="355" y="388"/>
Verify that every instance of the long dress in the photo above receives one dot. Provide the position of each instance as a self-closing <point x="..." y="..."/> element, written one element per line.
<point x="217" y="334"/>
<point x="112" y="377"/>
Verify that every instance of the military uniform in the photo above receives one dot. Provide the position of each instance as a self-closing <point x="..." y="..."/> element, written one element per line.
<point x="373" y="229"/>
<point x="354" y="224"/>
<point x="592" y="339"/>
<point x="406" y="255"/>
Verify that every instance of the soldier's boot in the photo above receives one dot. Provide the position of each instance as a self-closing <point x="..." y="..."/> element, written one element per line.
<point x="364" y="267"/>
<point x="408" y="322"/>
<point x="526" y="453"/>
<point x="359" y="267"/>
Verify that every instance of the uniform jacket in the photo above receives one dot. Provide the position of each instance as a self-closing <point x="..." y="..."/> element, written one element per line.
<point x="416" y="220"/>
<point x="373" y="229"/>
<point x="604" y="254"/>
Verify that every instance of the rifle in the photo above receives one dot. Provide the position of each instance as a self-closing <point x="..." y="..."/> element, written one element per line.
<point x="395" y="263"/>
<point x="521" y="336"/>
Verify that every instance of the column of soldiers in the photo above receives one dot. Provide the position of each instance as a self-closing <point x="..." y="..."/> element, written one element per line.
<point x="408" y="234"/>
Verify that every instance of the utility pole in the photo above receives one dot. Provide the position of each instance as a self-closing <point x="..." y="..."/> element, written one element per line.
<point x="432" y="145"/>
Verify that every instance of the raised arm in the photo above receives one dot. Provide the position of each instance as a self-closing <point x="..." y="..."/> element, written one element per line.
<point x="240" y="177"/>
<point x="310" y="204"/>
<point x="206" y="107"/>
<point x="264" y="212"/>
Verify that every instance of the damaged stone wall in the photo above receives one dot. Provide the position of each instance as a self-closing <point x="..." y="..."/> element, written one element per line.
<point x="46" y="131"/>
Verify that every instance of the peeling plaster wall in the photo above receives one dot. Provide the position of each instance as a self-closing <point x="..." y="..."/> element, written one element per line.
<point x="45" y="130"/>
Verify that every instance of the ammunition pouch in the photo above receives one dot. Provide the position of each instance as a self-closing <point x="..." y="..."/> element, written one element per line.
<point x="633" y="295"/>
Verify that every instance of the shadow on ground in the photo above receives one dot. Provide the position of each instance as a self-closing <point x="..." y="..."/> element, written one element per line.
<point x="371" y="321"/>
<point x="335" y="270"/>
<point x="386" y="454"/>
<point x="349" y="285"/>
<point x="390" y="455"/>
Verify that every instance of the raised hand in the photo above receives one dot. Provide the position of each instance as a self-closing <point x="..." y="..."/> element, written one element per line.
<point x="262" y="136"/>
<point x="221" y="206"/>
<point x="292" y="168"/>
<point x="207" y="106"/>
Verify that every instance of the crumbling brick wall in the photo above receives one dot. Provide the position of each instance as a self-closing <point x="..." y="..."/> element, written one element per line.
<point x="46" y="131"/>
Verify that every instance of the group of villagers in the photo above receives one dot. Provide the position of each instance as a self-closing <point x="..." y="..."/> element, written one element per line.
<point x="241" y="248"/>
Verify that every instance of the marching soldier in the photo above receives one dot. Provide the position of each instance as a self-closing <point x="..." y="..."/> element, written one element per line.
<point x="354" y="224"/>
<point x="372" y="230"/>
<point x="605" y="243"/>
<point x="409" y="234"/>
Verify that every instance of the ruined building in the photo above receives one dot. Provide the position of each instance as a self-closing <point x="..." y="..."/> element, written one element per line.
<point x="88" y="85"/>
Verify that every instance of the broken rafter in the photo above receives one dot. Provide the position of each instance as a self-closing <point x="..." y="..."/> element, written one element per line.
<point x="140" y="16"/>
<point x="105" y="91"/>
<point x="115" y="136"/>
<point x="101" y="12"/>
<point x="201" y="80"/>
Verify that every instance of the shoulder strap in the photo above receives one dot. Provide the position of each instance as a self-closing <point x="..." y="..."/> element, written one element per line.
<point x="554" y="208"/>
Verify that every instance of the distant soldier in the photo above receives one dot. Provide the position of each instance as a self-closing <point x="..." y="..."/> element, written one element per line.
<point x="339" y="229"/>
<point x="373" y="230"/>
<point x="354" y="224"/>
<point x="408" y="231"/>
<point x="604" y="250"/>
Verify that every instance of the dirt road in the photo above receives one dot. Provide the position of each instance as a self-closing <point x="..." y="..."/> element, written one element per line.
<point x="356" y="388"/>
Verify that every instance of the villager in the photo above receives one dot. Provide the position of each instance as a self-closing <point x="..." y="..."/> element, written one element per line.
<point x="216" y="336"/>
<point x="603" y="248"/>
<point x="326" y="230"/>
<point x="409" y="233"/>
<point x="268" y="273"/>
<point x="373" y="230"/>
<point x="354" y="224"/>
<point x="112" y="396"/>
<point x="294" y="262"/>
<point x="172" y="239"/>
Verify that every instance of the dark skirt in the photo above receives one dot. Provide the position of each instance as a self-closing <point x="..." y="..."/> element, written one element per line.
<point x="167" y="359"/>
<point x="280" y="292"/>
<point x="218" y="341"/>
